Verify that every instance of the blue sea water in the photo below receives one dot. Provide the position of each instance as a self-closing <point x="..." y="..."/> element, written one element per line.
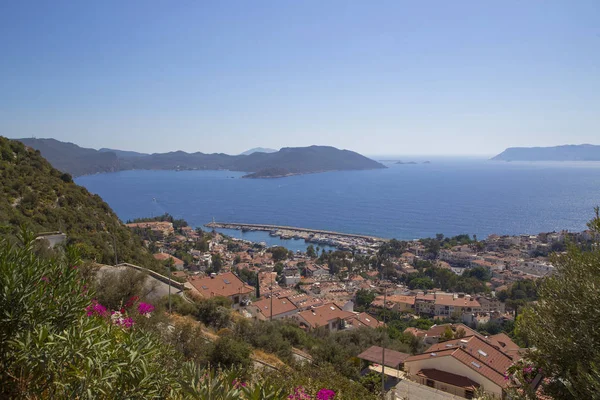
<point x="450" y="196"/>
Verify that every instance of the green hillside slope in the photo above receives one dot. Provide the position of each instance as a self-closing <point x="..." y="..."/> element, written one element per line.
<point x="35" y="194"/>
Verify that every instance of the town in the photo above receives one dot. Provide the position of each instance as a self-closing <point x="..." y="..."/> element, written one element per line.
<point x="470" y="290"/>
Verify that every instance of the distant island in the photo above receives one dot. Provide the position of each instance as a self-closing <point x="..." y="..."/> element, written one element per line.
<point x="406" y="163"/>
<point x="582" y="152"/>
<point x="77" y="161"/>
<point x="258" y="150"/>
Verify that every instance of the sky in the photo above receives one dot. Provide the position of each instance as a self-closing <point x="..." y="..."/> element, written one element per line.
<point x="383" y="77"/>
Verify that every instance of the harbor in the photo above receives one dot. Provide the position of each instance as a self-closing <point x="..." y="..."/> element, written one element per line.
<point x="339" y="240"/>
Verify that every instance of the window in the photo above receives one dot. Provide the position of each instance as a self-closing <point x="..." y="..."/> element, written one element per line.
<point x="430" y="383"/>
<point x="469" y="394"/>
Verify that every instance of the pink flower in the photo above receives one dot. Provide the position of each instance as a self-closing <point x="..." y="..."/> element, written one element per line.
<point x="145" y="308"/>
<point x="95" y="309"/>
<point x="128" y="322"/>
<point x="45" y="279"/>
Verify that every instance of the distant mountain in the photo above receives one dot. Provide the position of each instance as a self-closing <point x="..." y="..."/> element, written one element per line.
<point x="69" y="157"/>
<point x="258" y="150"/>
<point x="123" y="153"/>
<point x="582" y="152"/>
<point x="76" y="160"/>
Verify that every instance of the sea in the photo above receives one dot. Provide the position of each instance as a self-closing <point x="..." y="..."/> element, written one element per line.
<point x="405" y="201"/>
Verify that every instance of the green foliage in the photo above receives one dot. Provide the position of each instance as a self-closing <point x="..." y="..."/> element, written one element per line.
<point x="480" y="273"/>
<point x="34" y="194"/>
<point x="393" y="248"/>
<point x="364" y="298"/>
<point x="310" y="251"/>
<point x="563" y="324"/>
<point x="472" y="281"/>
<point x="115" y="288"/>
<point x="49" y="348"/>
<point x="217" y="263"/>
<point x="228" y="352"/>
<point x="279" y="253"/>
<point x="214" y="312"/>
<point x="314" y="377"/>
<point x="227" y="385"/>
<point x="372" y="382"/>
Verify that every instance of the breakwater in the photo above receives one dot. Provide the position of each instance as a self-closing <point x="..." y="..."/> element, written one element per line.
<point x="260" y="227"/>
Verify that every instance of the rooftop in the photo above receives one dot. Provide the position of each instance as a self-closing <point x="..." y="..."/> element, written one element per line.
<point x="393" y="358"/>
<point x="225" y="285"/>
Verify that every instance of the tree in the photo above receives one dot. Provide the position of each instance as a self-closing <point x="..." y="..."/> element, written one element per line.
<point x="228" y="352"/>
<point x="447" y="334"/>
<point x="115" y="288"/>
<point x="310" y="251"/>
<point x="364" y="297"/>
<point x="279" y="253"/>
<point x="563" y="325"/>
<point x="217" y="263"/>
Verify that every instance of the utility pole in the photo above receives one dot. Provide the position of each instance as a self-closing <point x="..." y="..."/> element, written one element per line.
<point x="383" y="338"/>
<point x="271" y="317"/>
<point x="169" y="264"/>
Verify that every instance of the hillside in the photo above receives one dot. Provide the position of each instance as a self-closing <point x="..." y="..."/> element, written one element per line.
<point x="78" y="161"/>
<point x="582" y="152"/>
<point x="35" y="194"/>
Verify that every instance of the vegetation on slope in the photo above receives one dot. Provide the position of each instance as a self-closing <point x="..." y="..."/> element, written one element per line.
<point x="562" y="326"/>
<point x="34" y="194"/>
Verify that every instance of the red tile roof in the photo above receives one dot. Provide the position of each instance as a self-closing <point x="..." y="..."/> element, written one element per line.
<point x="322" y="315"/>
<point x="280" y="306"/>
<point x="392" y="358"/>
<point x="225" y="285"/>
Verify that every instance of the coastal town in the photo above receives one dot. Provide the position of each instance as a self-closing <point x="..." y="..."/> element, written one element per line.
<point x="369" y="280"/>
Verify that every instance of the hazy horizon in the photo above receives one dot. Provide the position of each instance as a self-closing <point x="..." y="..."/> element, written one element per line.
<point x="456" y="79"/>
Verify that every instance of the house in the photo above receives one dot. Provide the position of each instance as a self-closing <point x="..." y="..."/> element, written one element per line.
<point x="362" y="320"/>
<point x="177" y="263"/>
<point x="461" y="366"/>
<point x="272" y="308"/>
<point x="328" y="315"/>
<point x="396" y="302"/>
<point x="224" y="285"/>
<point x="449" y="304"/>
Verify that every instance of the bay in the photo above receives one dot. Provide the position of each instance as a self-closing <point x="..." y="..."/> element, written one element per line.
<point x="450" y="196"/>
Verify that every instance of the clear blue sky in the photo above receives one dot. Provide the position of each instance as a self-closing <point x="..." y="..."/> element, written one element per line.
<point x="378" y="77"/>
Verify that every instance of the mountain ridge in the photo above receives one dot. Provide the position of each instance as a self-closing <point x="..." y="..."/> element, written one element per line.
<point x="570" y="152"/>
<point x="69" y="157"/>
